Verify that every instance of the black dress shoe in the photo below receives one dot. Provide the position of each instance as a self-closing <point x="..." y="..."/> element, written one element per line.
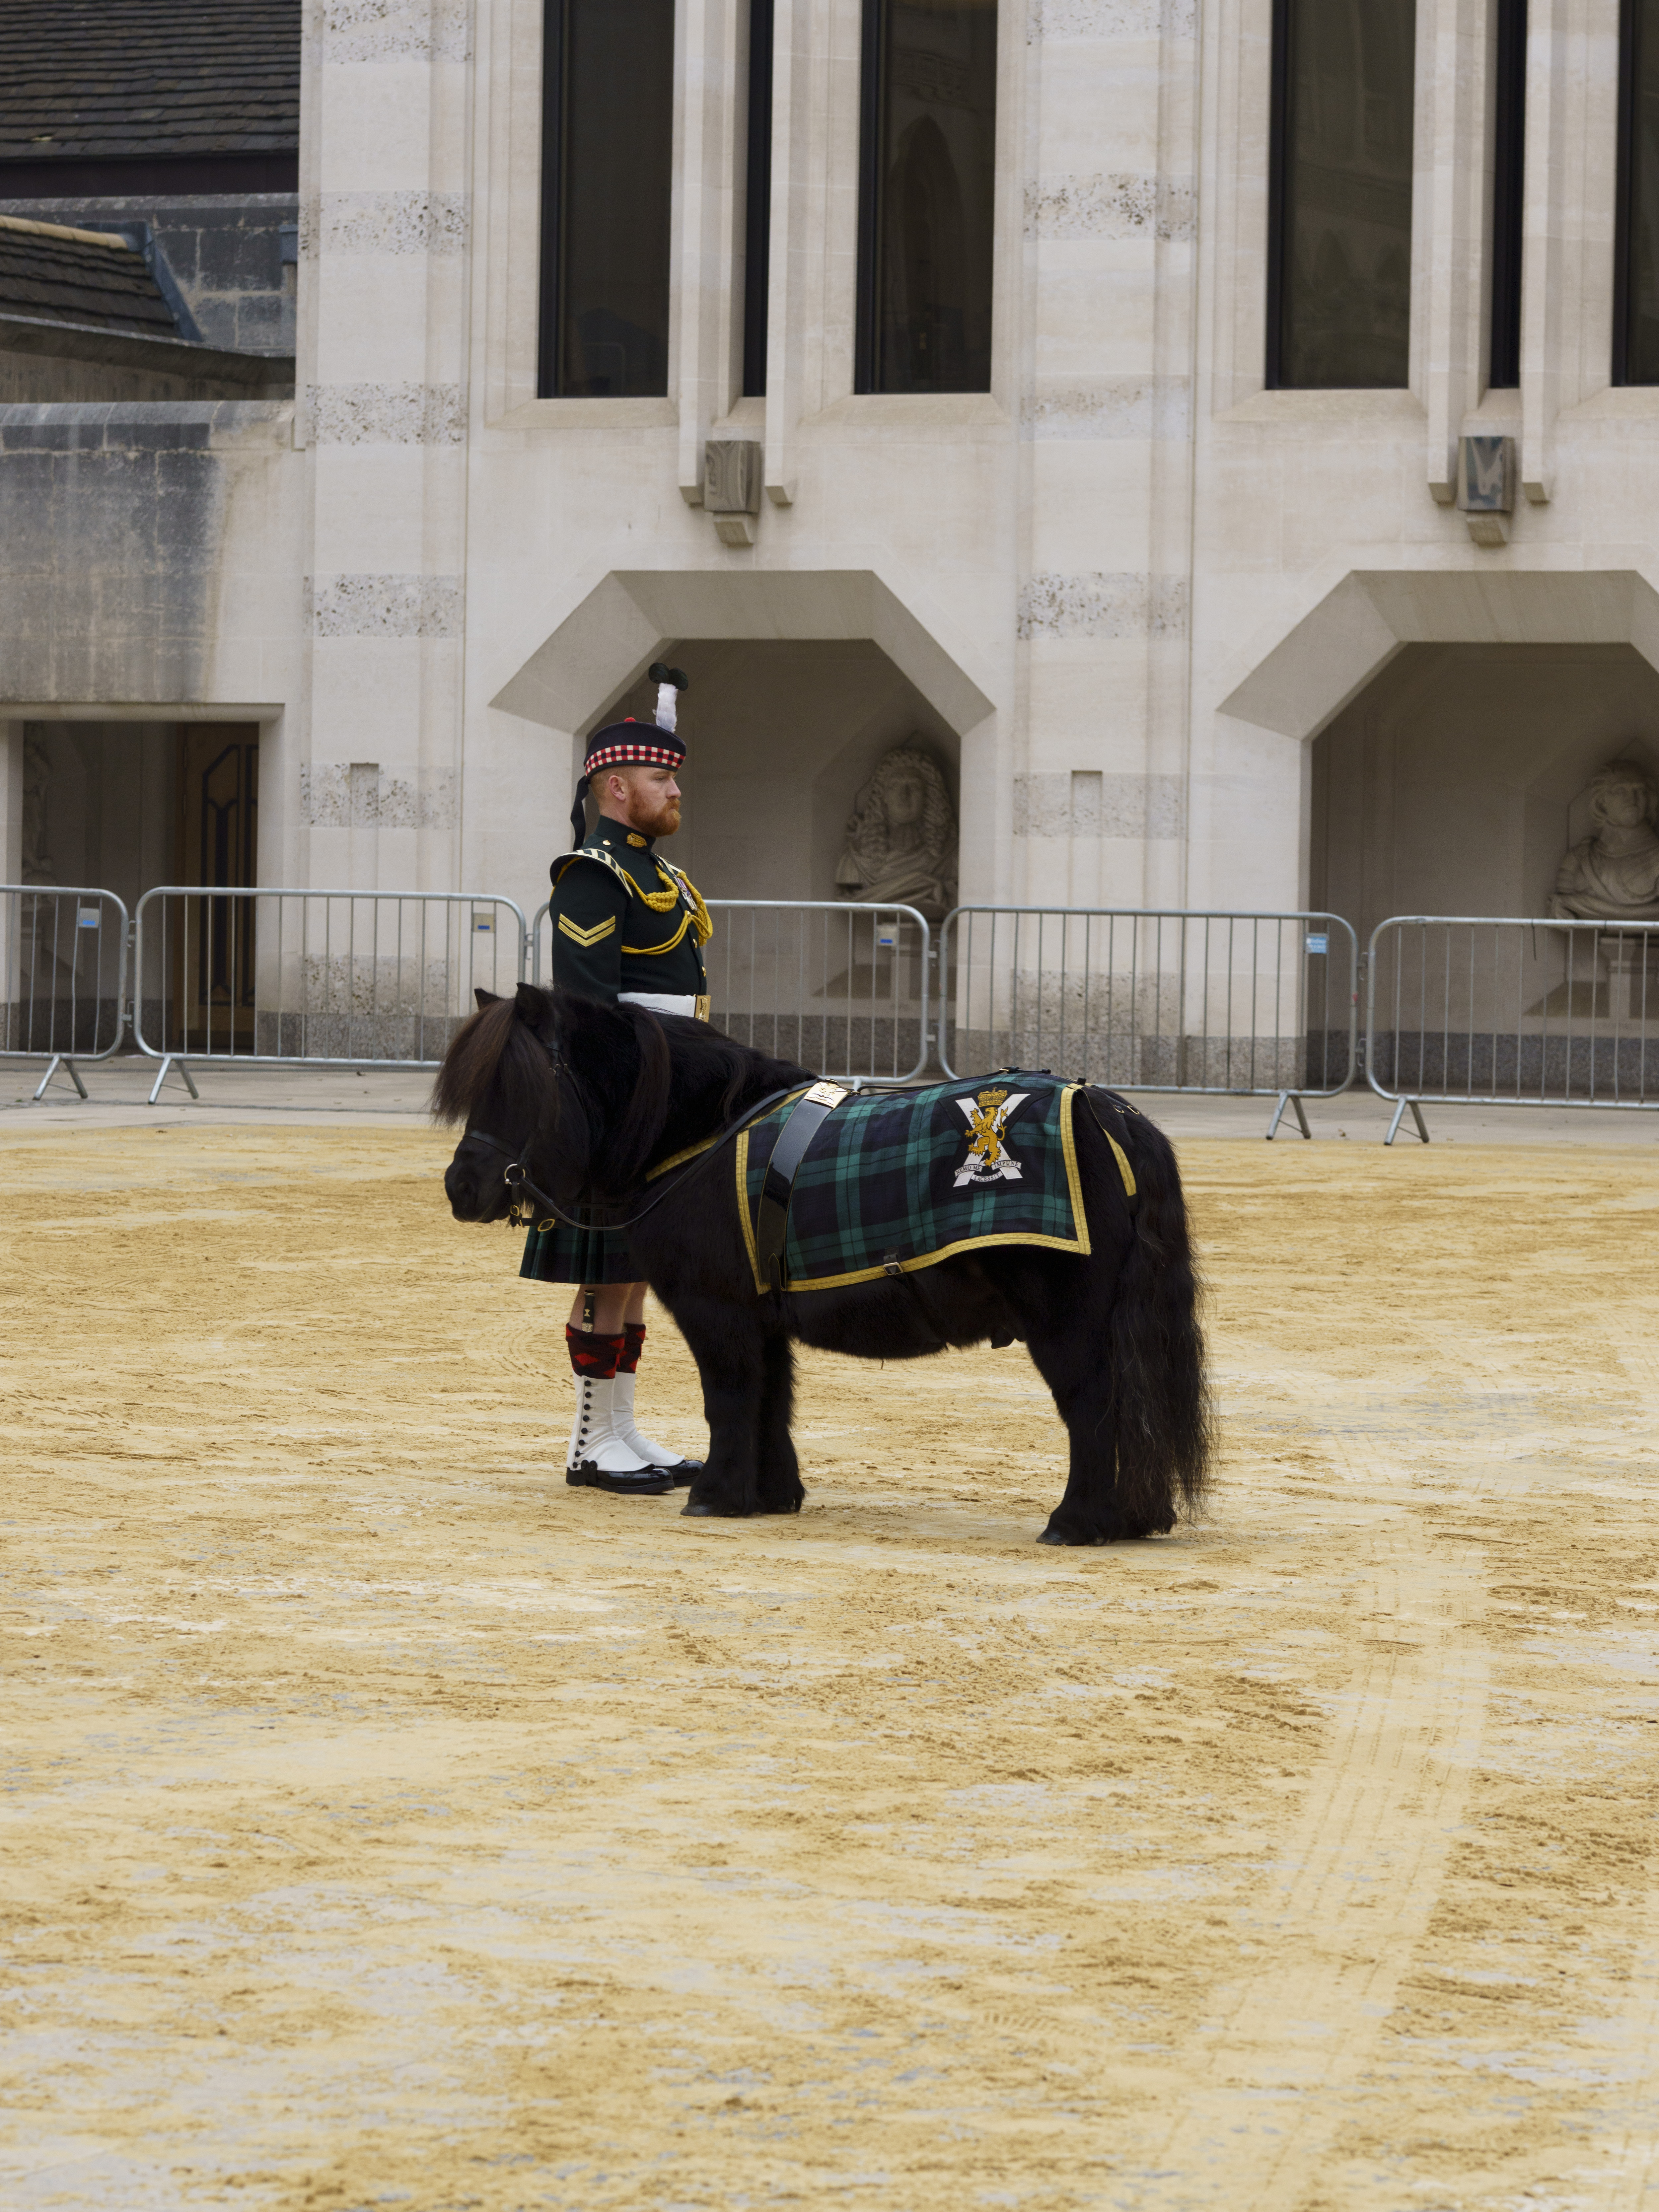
<point x="684" y="1472"/>
<point x="634" y="1482"/>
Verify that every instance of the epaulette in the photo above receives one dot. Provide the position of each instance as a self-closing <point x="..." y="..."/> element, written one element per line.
<point x="679" y="885"/>
<point x="560" y="866"/>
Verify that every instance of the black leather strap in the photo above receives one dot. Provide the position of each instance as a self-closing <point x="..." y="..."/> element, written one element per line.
<point x="801" y="1124"/>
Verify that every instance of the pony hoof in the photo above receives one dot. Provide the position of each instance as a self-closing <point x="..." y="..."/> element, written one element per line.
<point x="699" y="1513"/>
<point x="1059" y="1536"/>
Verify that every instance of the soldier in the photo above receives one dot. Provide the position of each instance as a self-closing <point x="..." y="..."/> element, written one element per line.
<point x="627" y="925"/>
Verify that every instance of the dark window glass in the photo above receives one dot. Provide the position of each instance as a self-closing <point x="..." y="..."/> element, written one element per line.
<point x="926" y="201"/>
<point x="606" y="190"/>
<point x="1636" y="293"/>
<point x="757" y="200"/>
<point x="1340" y="265"/>
<point x="1509" y="177"/>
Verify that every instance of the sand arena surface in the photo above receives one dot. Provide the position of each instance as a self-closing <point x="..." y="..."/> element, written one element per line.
<point x="387" y="1825"/>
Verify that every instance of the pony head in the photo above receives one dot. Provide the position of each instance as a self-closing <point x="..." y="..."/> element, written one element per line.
<point x="576" y="1090"/>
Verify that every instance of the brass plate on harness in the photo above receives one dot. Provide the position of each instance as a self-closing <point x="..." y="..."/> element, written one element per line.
<point x="826" y="1094"/>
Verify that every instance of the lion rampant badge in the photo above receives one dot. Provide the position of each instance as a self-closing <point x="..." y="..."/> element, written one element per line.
<point x="989" y="1160"/>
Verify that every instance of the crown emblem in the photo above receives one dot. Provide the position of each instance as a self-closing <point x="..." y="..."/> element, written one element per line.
<point x="992" y="1097"/>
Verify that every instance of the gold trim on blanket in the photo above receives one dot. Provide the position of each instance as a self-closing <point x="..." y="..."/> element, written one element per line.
<point x="1079" y="1244"/>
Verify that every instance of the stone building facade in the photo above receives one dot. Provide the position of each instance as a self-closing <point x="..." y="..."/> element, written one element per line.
<point x="1182" y="624"/>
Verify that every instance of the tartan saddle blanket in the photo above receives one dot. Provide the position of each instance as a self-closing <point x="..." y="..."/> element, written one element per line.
<point x="899" y="1180"/>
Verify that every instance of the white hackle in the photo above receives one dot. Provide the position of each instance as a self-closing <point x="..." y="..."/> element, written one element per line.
<point x="668" y="705"/>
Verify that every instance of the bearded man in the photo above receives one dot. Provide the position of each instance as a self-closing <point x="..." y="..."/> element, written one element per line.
<point x="628" y="926"/>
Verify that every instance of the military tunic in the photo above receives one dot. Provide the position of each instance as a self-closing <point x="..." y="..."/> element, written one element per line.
<point x="626" y="925"/>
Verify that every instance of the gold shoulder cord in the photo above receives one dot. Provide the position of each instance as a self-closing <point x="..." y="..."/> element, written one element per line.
<point x="700" y="918"/>
<point x="660" y="901"/>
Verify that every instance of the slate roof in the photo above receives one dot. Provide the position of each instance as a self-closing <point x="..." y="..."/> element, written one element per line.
<point x="102" y="80"/>
<point x="52" y="273"/>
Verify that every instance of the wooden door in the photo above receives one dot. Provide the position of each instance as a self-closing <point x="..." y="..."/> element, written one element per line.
<point x="213" y="977"/>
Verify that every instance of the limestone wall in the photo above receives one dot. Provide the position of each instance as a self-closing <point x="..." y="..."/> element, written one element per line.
<point x="1122" y="593"/>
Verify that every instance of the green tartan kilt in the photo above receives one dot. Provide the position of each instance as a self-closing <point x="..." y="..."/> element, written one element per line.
<point x="562" y="1254"/>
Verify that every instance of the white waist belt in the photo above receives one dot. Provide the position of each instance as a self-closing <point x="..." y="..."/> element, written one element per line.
<point x="659" y="1002"/>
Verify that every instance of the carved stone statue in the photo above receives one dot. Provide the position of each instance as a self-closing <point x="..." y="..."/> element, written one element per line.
<point x="1614" y="875"/>
<point x="901" y="838"/>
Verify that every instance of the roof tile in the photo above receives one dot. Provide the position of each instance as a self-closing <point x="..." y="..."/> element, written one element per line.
<point x="91" y="80"/>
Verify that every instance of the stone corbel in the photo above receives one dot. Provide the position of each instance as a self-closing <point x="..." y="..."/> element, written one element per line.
<point x="732" y="487"/>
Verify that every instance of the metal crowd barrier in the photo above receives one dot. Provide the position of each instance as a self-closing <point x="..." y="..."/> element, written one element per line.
<point x="1473" y="1010"/>
<point x="843" y="988"/>
<point x="315" y="978"/>
<point x="1241" y="1004"/>
<point x="62" y="976"/>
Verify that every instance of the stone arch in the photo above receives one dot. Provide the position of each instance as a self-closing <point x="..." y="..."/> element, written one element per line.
<point x="1298" y="681"/>
<point x="609" y="630"/>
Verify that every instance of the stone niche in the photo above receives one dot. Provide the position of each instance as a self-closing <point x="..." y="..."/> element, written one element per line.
<point x="1459" y="779"/>
<point x="781" y="737"/>
<point x="1456" y="784"/>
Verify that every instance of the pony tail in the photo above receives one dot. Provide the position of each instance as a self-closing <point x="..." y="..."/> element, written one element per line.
<point x="1165" y="1424"/>
<point x="647" y="1108"/>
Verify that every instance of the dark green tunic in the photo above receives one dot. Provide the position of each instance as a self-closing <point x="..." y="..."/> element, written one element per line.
<point x="624" y="920"/>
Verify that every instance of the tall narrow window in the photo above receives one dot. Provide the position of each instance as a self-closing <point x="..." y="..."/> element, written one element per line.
<point x="757" y="200"/>
<point x="1509" y="150"/>
<point x="1339" y="264"/>
<point x="925" y="199"/>
<point x="1635" y="290"/>
<point x="607" y="176"/>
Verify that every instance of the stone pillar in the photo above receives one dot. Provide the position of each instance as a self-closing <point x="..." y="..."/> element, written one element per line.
<point x="383" y="355"/>
<point x="1100" y="797"/>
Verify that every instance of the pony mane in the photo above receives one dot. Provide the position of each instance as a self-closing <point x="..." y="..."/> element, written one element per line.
<point x="634" y="1083"/>
<point x="492" y="1045"/>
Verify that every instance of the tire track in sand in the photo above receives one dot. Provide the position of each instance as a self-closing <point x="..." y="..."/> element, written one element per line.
<point x="1273" y="2072"/>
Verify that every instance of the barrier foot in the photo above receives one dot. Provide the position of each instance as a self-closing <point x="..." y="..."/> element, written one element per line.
<point x="1289" y="1098"/>
<point x="59" y="1060"/>
<point x="1400" y="1115"/>
<point x="162" y="1077"/>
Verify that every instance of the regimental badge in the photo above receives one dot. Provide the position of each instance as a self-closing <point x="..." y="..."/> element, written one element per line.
<point x="989" y="1160"/>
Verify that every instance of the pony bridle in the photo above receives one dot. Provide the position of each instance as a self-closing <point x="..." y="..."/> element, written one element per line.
<point x="514" y="1174"/>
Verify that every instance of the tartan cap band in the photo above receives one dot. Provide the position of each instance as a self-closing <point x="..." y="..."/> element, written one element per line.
<point x="621" y="744"/>
<point x="621" y="756"/>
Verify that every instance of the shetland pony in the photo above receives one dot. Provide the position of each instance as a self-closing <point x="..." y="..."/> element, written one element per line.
<point x="584" y="1097"/>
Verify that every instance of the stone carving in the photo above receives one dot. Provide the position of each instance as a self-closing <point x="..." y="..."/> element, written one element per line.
<point x="1614" y="875"/>
<point x="386" y="606"/>
<point x="1062" y="804"/>
<point x="38" y="866"/>
<point x="356" y="795"/>
<point x="901" y="837"/>
<point x="383" y="222"/>
<point x="396" y="30"/>
<point x="387" y="414"/>
<point x="1119" y="204"/>
<point x="1107" y="407"/>
<point x="1095" y="605"/>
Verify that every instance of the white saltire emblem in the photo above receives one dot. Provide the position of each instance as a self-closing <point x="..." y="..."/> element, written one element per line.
<point x="989" y="1160"/>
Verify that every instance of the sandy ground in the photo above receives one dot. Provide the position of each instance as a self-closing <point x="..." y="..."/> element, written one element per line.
<point x="387" y="1825"/>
